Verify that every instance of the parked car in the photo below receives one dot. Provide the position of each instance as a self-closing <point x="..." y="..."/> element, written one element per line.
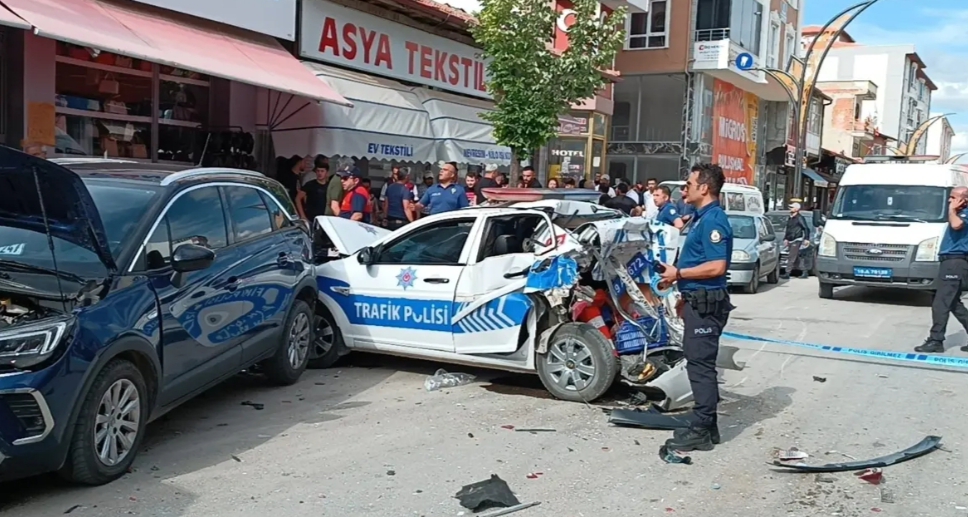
<point x="755" y="251"/>
<point x="733" y="198"/>
<point x="126" y="289"/>
<point x="808" y="256"/>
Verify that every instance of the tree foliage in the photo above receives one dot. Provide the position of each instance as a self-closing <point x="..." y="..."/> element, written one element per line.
<point x="532" y="84"/>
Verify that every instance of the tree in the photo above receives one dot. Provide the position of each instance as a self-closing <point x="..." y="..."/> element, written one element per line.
<point x="531" y="83"/>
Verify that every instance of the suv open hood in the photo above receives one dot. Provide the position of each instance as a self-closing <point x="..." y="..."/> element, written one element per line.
<point x="70" y="210"/>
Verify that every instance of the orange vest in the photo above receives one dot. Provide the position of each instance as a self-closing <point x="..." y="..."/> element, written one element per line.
<point x="347" y="206"/>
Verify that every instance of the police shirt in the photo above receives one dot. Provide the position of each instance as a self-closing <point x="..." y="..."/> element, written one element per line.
<point x="668" y="214"/>
<point x="711" y="238"/>
<point x="444" y="199"/>
<point x="955" y="242"/>
<point x="396" y="194"/>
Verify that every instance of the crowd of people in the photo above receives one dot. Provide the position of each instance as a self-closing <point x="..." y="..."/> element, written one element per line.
<point x="401" y="200"/>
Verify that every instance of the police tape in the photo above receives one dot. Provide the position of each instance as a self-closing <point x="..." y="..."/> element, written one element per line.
<point x="935" y="360"/>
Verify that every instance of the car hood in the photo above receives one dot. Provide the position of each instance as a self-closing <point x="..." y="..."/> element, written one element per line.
<point x="350" y="236"/>
<point x="70" y="211"/>
<point x="744" y="244"/>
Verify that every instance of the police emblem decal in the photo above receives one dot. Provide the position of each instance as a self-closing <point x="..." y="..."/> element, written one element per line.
<point x="715" y="236"/>
<point x="406" y="277"/>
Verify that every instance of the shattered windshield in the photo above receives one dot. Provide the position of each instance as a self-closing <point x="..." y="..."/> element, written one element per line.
<point x="891" y="203"/>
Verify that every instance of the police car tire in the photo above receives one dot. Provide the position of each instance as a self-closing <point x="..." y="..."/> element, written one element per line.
<point x="607" y="365"/>
<point x="332" y="355"/>
<point x="277" y="368"/>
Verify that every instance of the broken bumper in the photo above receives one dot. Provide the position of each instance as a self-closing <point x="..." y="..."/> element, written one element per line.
<point x="674" y="383"/>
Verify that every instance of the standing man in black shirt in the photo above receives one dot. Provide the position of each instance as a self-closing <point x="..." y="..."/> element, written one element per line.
<point x="621" y="201"/>
<point x="311" y="200"/>
<point x="528" y="178"/>
<point x="292" y="178"/>
<point x="486" y="182"/>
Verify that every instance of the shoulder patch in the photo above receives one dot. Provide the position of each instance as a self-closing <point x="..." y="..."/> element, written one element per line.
<point x="672" y="211"/>
<point x="715" y="237"/>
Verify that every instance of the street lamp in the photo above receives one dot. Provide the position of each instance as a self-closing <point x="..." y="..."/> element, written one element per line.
<point x="800" y="78"/>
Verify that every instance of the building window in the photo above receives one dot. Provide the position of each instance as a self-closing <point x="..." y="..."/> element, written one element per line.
<point x="789" y="47"/>
<point x="746" y="20"/>
<point x="815" y="122"/>
<point x="651" y="29"/>
<point x="774" y="50"/>
<point x="3" y="86"/>
<point x="105" y="107"/>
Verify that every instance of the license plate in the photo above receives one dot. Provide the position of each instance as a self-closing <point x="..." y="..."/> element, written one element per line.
<point x="873" y="272"/>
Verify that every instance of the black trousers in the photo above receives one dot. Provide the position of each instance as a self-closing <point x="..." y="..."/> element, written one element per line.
<point x="700" y="344"/>
<point x="947" y="299"/>
<point x="396" y="224"/>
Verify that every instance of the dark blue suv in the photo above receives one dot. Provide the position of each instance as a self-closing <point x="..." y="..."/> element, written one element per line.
<point x="127" y="289"/>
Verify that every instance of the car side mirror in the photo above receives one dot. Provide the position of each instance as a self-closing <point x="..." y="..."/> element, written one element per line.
<point x="191" y="257"/>
<point x="769" y="237"/>
<point x="366" y="256"/>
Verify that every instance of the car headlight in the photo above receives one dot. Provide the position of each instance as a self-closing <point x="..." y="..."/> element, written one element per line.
<point x="740" y="256"/>
<point x="28" y="345"/>
<point x="828" y="246"/>
<point x="927" y="250"/>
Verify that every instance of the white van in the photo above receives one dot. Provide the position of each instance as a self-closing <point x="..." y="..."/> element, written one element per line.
<point x="886" y="225"/>
<point x="734" y="197"/>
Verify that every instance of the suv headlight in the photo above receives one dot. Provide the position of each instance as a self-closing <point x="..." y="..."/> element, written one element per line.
<point x="828" y="246"/>
<point x="24" y="346"/>
<point x="740" y="256"/>
<point x="927" y="250"/>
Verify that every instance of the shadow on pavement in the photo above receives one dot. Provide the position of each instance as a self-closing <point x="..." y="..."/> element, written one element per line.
<point x="211" y="429"/>
<point x="887" y="296"/>
<point x="739" y="412"/>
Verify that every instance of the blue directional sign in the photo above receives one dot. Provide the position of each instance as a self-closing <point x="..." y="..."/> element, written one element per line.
<point x="744" y="61"/>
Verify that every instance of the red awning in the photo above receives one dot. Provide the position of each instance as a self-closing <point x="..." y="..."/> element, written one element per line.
<point x="12" y="20"/>
<point x="176" y="40"/>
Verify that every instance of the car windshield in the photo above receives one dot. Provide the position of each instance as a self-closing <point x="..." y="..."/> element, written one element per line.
<point x="890" y="203"/>
<point x="121" y="208"/>
<point x="744" y="227"/>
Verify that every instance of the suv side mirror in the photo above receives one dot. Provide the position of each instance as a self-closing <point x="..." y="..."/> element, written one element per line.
<point x="366" y="256"/>
<point x="191" y="257"/>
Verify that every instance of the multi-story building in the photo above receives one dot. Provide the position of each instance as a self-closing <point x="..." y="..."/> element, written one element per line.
<point x="940" y="135"/>
<point x="904" y="89"/>
<point x="682" y="99"/>
<point x="847" y="130"/>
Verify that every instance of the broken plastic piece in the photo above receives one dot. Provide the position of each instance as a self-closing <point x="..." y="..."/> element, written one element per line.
<point x="442" y="379"/>
<point x="536" y="430"/>
<point x="819" y="379"/>
<point x="670" y="456"/>
<point x="651" y="419"/>
<point x="873" y="476"/>
<point x="487" y="494"/>
<point x="925" y="446"/>
<point x="791" y="454"/>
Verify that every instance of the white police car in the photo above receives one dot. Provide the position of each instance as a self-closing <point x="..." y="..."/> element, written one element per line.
<point x="494" y="286"/>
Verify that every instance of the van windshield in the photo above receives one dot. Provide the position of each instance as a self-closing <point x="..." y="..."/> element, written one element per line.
<point x="891" y="203"/>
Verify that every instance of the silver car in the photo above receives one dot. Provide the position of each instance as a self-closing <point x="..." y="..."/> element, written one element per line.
<point x="755" y="251"/>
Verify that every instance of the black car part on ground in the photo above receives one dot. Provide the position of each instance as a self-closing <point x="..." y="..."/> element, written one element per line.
<point x="925" y="446"/>
<point x="651" y="419"/>
<point x="484" y="495"/>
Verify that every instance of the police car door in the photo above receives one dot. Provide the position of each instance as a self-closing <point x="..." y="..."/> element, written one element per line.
<point x="405" y="297"/>
<point x="489" y="307"/>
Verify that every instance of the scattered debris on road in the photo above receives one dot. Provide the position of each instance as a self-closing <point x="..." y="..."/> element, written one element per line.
<point x="535" y="475"/>
<point x="844" y="454"/>
<point x="791" y="454"/>
<point x="887" y="496"/>
<point x="391" y="473"/>
<point x="254" y="405"/>
<point x="925" y="446"/>
<point x="442" y="379"/>
<point x="536" y="431"/>
<point x="236" y="458"/>
<point x="819" y="379"/>
<point x="670" y="456"/>
<point x="72" y="508"/>
<point x="651" y="419"/>
<point x="873" y="476"/>
<point x="824" y="478"/>
<point x="509" y="427"/>
<point x="513" y="509"/>
<point x="487" y="494"/>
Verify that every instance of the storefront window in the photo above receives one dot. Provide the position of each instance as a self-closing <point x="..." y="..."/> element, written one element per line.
<point x="104" y="106"/>
<point x="601" y="124"/>
<point x="566" y="158"/>
<point x="598" y="156"/>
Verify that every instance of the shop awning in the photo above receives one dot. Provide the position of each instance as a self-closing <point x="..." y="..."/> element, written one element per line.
<point x="462" y="135"/>
<point x="386" y="121"/>
<point x="176" y="40"/>
<point x="817" y="179"/>
<point x="9" y="19"/>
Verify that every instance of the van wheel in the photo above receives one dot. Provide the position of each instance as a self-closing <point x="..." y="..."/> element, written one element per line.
<point x="292" y="356"/>
<point x="774" y="276"/>
<point x="110" y="426"/>
<point x="327" y="342"/>
<point x="826" y="291"/>
<point x="754" y="285"/>
<point x="580" y="365"/>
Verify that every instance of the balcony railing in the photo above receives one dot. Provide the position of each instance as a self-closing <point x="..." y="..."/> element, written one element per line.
<point x="710" y="34"/>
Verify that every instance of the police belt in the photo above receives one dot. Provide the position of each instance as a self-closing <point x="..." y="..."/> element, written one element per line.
<point x="706" y="301"/>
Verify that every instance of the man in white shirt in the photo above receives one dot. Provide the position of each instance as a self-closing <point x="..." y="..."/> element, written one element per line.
<point x="644" y="199"/>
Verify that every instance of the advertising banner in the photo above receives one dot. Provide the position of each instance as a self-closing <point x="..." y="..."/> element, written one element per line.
<point x="735" y="119"/>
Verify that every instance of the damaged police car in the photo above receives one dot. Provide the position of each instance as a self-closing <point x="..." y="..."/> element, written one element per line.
<point x="541" y="281"/>
<point x="128" y="288"/>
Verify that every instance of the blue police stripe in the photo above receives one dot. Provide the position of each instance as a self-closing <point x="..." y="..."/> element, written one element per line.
<point x="935" y="360"/>
<point x="502" y="313"/>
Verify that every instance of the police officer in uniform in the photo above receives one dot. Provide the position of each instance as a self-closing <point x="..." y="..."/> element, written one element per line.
<point x="953" y="271"/>
<point x="705" y="306"/>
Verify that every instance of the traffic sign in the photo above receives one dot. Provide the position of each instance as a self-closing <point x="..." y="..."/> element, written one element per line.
<point x="744" y="61"/>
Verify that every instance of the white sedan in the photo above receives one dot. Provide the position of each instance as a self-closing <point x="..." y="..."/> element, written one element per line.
<point x="493" y="286"/>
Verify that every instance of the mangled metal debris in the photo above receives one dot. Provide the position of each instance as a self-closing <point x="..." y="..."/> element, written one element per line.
<point x="925" y="446"/>
<point x="650" y="419"/>
<point x="484" y="495"/>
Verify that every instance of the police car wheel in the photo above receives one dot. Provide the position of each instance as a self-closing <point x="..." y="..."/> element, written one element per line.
<point x="580" y="365"/>
<point x="327" y="342"/>
<point x="292" y="356"/>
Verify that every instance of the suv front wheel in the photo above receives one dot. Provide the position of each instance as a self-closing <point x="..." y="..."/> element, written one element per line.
<point x="110" y="426"/>
<point x="292" y="356"/>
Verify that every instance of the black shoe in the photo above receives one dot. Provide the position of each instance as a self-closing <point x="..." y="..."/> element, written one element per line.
<point x="805" y="275"/>
<point x="931" y="346"/>
<point x="691" y="439"/>
<point x="713" y="434"/>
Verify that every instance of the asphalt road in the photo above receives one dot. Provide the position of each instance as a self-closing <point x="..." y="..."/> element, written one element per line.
<point x="365" y="439"/>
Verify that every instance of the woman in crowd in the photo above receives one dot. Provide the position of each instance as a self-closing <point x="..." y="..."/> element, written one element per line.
<point x="553" y="183"/>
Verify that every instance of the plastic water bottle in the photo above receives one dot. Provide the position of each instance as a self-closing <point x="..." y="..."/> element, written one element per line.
<point x="442" y="379"/>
